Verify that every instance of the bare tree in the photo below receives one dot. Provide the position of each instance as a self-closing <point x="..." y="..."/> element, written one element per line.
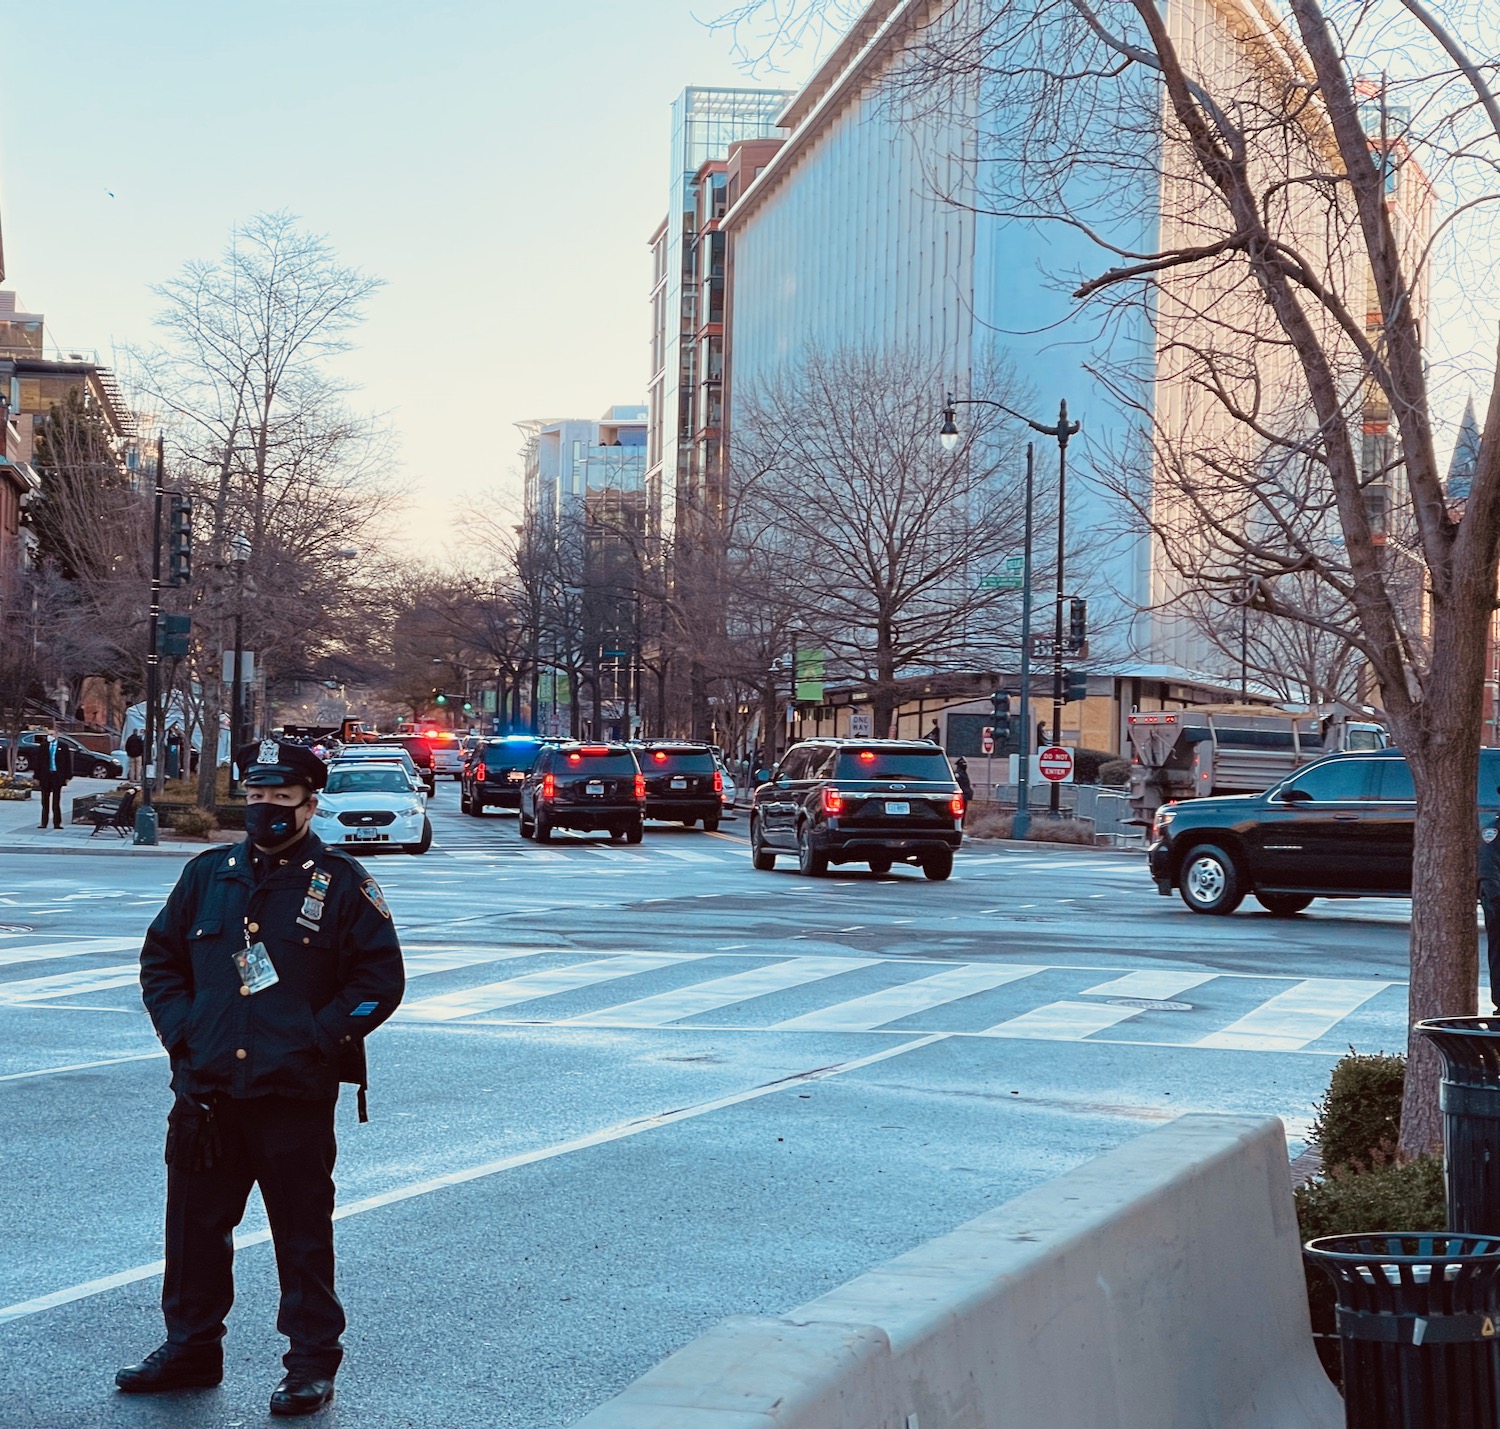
<point x="847" y="497"/>
<point x="1284" y="277"/>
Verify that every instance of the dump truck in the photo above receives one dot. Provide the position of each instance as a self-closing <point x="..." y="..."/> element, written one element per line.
<point x="1233" y="749"/>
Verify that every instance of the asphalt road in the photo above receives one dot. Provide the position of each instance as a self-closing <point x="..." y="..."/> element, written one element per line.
<point x="634" y="1090"/>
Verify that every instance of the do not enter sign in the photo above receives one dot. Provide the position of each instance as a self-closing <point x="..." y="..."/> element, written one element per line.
<point x="987" y="740"/>
<point x="1056" y="763"/>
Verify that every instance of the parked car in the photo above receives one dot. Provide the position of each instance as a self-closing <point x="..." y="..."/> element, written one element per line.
<point x="729" y="789"/>
<point x="584" y="786"/>
<point x="875" y="801"/>
<point x="683" y="782"/>
<point x="87" y="763"/>
<point x="1340" y="828"/>
<point x="372" y="802"/>
<point x="494" y="770"/>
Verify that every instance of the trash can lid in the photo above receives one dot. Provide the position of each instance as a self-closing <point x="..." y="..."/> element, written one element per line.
<point x="1467" y="1044"/>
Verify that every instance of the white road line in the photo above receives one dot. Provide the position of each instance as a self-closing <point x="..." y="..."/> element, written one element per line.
<point x="74" y="948"/>
<point x="1295" y="1017"/>
<point x="489" y="996"/>
<point x="82" y="1066"/>
<point x="1153" y="984"/>
<point x="619" y="1132"/>
<point x="32" y="989"/>
<point x="1062" y="1021"/>
<point x="862" y="1014"/>
<point x="721" y="992"/>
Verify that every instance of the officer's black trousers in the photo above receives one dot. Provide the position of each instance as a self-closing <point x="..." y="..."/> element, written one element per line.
<point x="287" y="1147"/>
<point x="1489" y="903"/>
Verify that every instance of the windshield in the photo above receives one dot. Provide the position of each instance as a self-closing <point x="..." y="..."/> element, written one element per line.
<point x="677" y="761"/>
<point x="894" y="764"/>
<point x="368" y="781"/>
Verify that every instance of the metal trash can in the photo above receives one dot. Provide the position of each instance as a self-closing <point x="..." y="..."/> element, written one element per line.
<point x="1419" y="1327"/>
<point x="1470" y="1098"/>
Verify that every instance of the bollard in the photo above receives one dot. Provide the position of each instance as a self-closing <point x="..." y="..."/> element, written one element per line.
<point x="1470" y="1099"/>
<point x="145" y="825"/>
<point x="1418" y="1316"/>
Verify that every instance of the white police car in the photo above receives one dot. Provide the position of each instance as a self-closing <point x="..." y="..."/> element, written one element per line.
<point x="372" y="804"/>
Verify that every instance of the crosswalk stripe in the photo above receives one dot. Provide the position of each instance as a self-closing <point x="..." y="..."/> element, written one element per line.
<point x="529" y="986"/>
<point x="862" y="1014"/>
<point x="1295" y="1017"/>
<point x="1062" y="1021"/>
<point x="69" y="984"/>
<point x="721" y="992"/>
<point x="1152" y="984"/>
<point x="77" y="947"/>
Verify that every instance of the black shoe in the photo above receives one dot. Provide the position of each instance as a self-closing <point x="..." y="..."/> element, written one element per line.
<point x="301" y="1394"/>
<point x="170" y="1368"/>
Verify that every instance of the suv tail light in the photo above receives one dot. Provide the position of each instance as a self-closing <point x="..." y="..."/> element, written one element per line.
<point x="956" y="806"/>
<point x="481" y="773"/>
<point x="718" y="782"/>
<point x="549" y="786"/>
<point x="833" y="802"/>
<point x="640" y="786"/>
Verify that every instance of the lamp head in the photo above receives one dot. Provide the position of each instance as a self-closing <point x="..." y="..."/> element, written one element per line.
<point x="948" y="432"/>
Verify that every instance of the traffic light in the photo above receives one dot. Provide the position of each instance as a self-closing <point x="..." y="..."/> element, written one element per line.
<point x="1000" y="704"/>
<point x="180" y="540"/>
<point x="439" y="698"/>
<point x="468" y="706"/>
<point x="174" y="635"/>
<point x="1075" y="685"/>
<point x="1078" y="624"/>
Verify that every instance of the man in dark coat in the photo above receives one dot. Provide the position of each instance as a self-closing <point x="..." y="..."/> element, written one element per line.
<point x="52" y="763"/>
<point x="263" y="974"/>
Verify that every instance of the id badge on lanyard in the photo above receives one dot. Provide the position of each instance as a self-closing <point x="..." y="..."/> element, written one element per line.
<point x="257" y="971"/>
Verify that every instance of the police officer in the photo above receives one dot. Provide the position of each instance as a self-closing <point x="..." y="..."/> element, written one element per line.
<point x="263" y="974"/>
<point x="1489" y="901"/>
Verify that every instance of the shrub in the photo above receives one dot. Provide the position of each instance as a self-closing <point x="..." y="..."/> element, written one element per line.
<point x="1386" y="1194"/>
<point x="986" y="821"/>
<point x="1115" y="772"/>
<point x="1360" y="1114"/>
<point x="1088" y="762"/>
<point x="1061" y="831"/>
<point x="194" y="823"/>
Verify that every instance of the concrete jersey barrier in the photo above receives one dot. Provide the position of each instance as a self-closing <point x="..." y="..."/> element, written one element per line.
<point x="1156" y="1287"/>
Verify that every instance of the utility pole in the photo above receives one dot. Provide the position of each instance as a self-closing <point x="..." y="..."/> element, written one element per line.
<point x="145" y="818"/>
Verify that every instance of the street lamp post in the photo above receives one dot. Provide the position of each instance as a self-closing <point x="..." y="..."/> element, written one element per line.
<point x="239" y="553"/>
<point x="948" y="434"/>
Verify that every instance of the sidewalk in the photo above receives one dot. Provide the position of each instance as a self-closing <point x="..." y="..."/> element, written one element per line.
<point x="19" y="832"/>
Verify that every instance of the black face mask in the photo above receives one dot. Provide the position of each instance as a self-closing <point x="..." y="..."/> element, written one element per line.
<point x="271" y="823"/>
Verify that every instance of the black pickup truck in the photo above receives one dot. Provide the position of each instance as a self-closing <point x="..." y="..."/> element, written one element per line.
<point x="1340" y="828"/>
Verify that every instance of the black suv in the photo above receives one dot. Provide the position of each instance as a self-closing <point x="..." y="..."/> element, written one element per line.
<point x="493" y="771"/>
<point x="1339" y="828"/>
<point x="583" y="786"/>
<point x="875" y="801"/>
<point x="683" y="783"/>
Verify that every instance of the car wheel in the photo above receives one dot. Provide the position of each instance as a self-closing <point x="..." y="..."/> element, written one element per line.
<point x="616" y="834"/>
<point x="760" y="856"/>
<point x="541" y="830"/>
<point x="938" y="864"/>
<point x="881" y="865"/>
<point x="687" y="823"/>
<point x="711" y="824"/>
<point x="635" y="832"/>
<point x="101" y="770"/>
<point x="811" y="863"/>
<point x="1283" y="905"/>
<point x="1209" y="881"/>
<point x="524" y="826"/>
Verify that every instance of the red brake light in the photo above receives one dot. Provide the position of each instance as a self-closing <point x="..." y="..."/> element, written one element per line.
<point x="866" y="756"/>
<point x="956" y="805"/>
<point x="575" y="759"/>
<point x="481" y="773"/>
<point x="549" y="786"/>
<point x="592" y="749"/>
<point x="640" y="785"/>
<point x="718" y="782"/>
<point x="659" y="757"/>
<point x="833" y="801"/>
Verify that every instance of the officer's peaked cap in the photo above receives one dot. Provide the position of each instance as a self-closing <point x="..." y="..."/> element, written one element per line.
<point x="272" y="763"/>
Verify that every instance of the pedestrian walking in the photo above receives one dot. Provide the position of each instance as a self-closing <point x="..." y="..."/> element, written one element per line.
<point x="965" y="784"/>
<point x="135" y="749"/>
<point x="1489" y="902"/>
<point x="263" y="974"/>
<point x="53" y="766"/>
<point x="935" y="734"/>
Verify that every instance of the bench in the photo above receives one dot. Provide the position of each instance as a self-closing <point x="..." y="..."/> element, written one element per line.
<point x="116" y="814"/>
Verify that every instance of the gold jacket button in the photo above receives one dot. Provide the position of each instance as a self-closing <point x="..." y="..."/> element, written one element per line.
<point x="240" y="1052"/>
<point x="244" y="992"/>
<point x="252" y="927"/>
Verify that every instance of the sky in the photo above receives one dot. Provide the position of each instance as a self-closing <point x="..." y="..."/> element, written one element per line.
<point x="501" y="164"/>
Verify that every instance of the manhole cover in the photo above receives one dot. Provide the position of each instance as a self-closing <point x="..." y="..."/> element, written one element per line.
<point x="1151" y="1004"/>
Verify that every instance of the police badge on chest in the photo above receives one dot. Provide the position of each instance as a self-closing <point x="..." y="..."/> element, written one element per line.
<point x="311" y="915"/>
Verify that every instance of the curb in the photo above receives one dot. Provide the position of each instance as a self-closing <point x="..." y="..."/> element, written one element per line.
<point x="115" y="850"/>
<point x="1047" y="845"/>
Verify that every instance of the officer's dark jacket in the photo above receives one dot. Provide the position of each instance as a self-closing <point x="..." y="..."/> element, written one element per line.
<point x="1489" y="861"/>
<point x="336" y="955"/>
